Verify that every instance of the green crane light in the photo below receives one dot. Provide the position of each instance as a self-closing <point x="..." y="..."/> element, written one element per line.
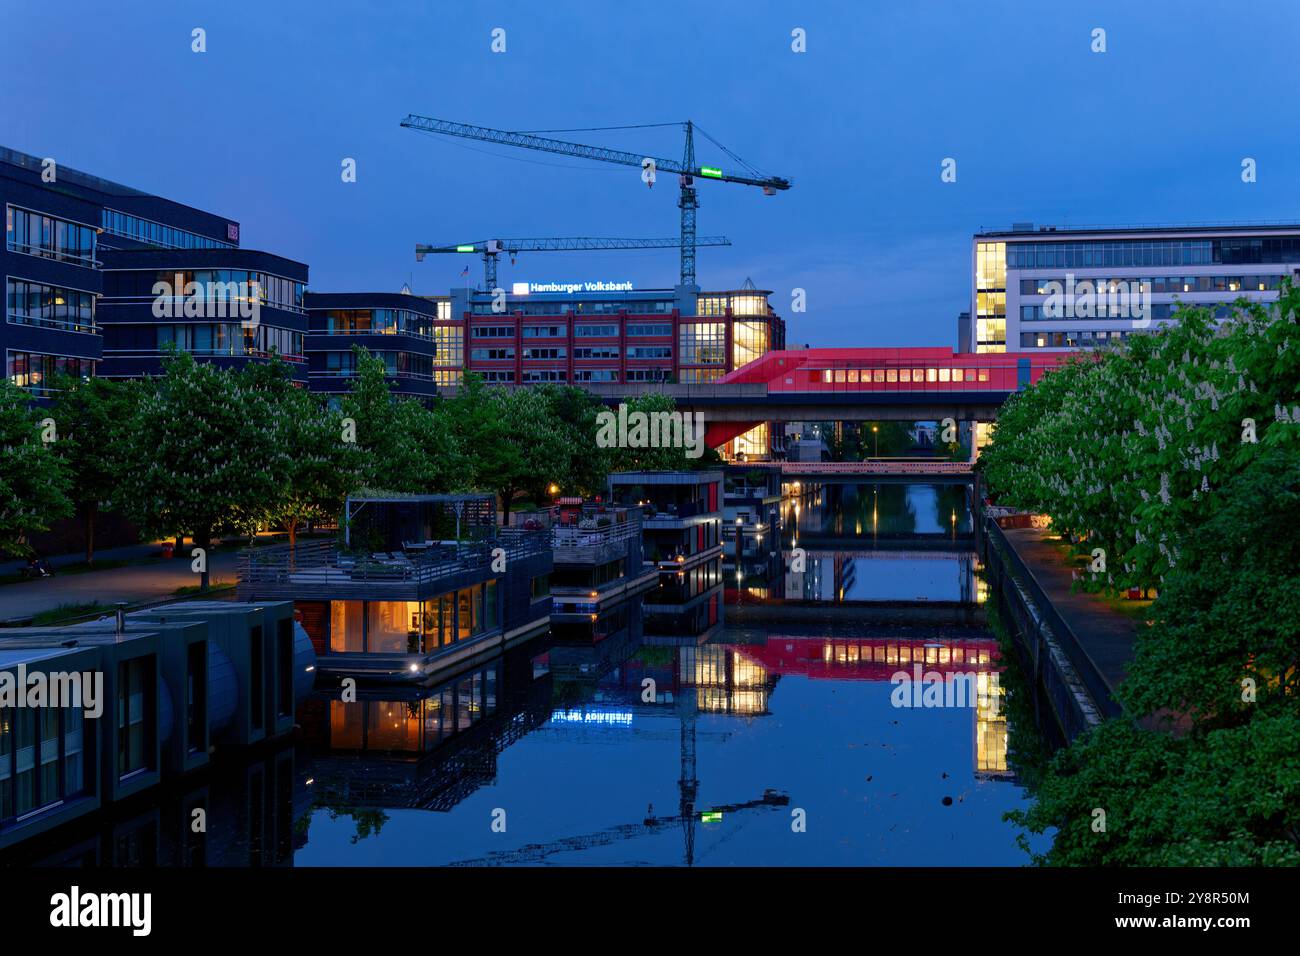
<point x="713" y="172"/>
<point x="464" y="248"/>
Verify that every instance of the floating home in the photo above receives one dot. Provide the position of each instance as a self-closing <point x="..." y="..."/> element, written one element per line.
<point x="682" y="522"/>
<point x="417" y="584"/>
<point x="177" y="682"/>
<point x="599" y="566"/>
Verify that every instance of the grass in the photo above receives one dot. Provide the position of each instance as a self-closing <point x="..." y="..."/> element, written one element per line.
<point x="65" y="612"/>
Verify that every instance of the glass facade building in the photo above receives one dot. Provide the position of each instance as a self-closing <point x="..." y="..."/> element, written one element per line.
<point x="1054" y="289"/>
<point x="654" y="335"/>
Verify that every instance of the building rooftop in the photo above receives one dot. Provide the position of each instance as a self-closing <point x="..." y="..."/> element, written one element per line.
<point x="1025" y="230"/>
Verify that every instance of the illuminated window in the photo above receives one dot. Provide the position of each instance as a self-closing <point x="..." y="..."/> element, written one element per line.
<point x="749" y="341"/>
<point x="956" y="375"/>
<point x="984" y="375"/>
<point x="839" y="376"/>
<point x="945" y="375"/>
<point x="932" y="375"/>
<point x="878" y="375"/>
<point x="853" y="376"/>
<point x="990" y="265"/>
<point x="891" y="375"/>
<point x="904" y="374"/>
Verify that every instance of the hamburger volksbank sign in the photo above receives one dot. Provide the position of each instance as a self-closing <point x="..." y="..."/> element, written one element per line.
<point x="524" y="288"/>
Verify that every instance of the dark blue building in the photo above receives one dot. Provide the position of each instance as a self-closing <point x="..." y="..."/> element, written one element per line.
<point x="402" y="329"/>
<point x="82" y="262"/>
<point x="226" y="306"/>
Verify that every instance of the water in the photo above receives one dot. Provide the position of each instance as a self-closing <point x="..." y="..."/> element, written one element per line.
<point x="769" y="739"/>
<point x="780" y="723"/>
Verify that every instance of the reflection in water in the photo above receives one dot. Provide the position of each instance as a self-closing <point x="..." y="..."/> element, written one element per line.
<point x="660" y="734"/>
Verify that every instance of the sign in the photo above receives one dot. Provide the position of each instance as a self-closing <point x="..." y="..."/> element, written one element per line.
<point x="524" y="288"/>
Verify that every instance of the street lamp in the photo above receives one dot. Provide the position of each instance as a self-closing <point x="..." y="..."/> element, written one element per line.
<point x="875" y="433"/>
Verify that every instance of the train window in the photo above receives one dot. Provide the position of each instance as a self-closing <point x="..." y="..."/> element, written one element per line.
<point x="918" y="375"/>
<point x="945" y="375"/>
<point x="932" y="375"/>
<point x="891" y="375"/>
<point x="839" y="376"/>
<point x="878" y="375"/>
<point x="853" y="375"/>
<point x="984" y="375"/>
<point x="956" y="375"/>
<point x="904" y="374"/>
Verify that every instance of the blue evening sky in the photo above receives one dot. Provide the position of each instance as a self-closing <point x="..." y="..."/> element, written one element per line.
<point x="1043" y="130"/>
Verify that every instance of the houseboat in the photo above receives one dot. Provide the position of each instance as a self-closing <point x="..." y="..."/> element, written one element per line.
<point x="599" y="566"/>
<point x="416" y="586"/>
<point x="172" y="685"/>
<point x="682" y="522"/>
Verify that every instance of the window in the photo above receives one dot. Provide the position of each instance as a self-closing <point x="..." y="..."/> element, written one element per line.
<point x="50" y="307"/>
<point x="492" y="355"/>
<point x="256" y="678"/>
<point x="646" y="329"/>
<point x="595" y="331"/>
<point x="541" y="586"/>
<point x="703" y="343"/>
<point x="534" y="375"/>
<point x="499" y="376"/>
<point x="393" y="627"/>
<point x="650" y="352"/>
<point x="49" y="237"/>
<point x="493" y="332"/>
<point x="346" y="627"/>
<point x="595" y="375"/>
<point x="596" y="352"/>
<point x="534" y="352"/>
<point x="133" y="686"/>
<point x="449" y="342"/>
<point x="542" y="331"/>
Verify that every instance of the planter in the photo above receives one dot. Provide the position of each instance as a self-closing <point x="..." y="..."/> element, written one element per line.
<point x="167" y="549"/>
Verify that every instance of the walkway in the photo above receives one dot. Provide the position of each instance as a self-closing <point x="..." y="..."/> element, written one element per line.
<point x="135" y="584"/>
<point x="1104" y="635"/>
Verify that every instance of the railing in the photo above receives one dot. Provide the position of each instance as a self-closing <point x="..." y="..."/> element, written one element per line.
<point x="523" y="542"/>
<point x="323" y="563"/>
<point x="572" y="536"/>
<point x="1098" y="690"/>
<point x="870" y="467"/>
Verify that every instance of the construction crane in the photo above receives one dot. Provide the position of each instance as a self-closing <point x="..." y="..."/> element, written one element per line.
<point x="490" y="249"/>
<point x="686" y="168"/>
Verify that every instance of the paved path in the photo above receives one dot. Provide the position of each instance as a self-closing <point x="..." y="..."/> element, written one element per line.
<point x="154" y="581"/>
<point x="1105" y="634"/>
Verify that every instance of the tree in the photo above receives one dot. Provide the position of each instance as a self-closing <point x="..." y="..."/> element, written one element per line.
<point x="322" y="467"/>
<point x="34" y="480"/>
<point x="204" y="455"/>
<point x="407" y="447"/>
<point x="94" y="418"/>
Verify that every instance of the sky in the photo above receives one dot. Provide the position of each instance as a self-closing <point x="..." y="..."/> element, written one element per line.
<point x="1042" y="129"/>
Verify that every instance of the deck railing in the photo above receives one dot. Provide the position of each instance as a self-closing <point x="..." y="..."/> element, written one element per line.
<point x="324" y="563"/>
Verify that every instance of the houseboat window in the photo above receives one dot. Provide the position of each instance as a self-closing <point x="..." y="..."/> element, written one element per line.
<point x="447" y="627"/>
<point x="6" y="762"/>
<point x="25" y="753"/>
<point x="346" y="635"/>
<point x="490" y="690"/>
<point x="74" y="751"/>
<point x="284" y="669"/>
<point x="491" y="618"/>
<point x="541" y="586"/>
<point x="393" y="627"/>
<point x="131" y="687"/>
<point x="256" y="677"/>
<point x="465" y="624"/>
<point x="50" y="789"/>
<point x="393" y="725"/>
<point x="196" y="683"/>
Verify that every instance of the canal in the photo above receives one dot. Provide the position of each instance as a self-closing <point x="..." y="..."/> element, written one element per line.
<point x="758" y="726"/>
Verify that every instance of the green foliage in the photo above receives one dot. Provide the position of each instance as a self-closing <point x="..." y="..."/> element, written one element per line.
<point x="321" y="467"/>
<point x="35" y="483"/>
<point x="1227" y="799"/>
<point x="203" y="454"/>
<point x="406" y="446"/>
<point x="1178" y="454"/>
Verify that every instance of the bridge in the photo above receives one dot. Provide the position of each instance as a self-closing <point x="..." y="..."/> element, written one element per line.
<point x="884" y="469"/>
<point x="874" y="384"/>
